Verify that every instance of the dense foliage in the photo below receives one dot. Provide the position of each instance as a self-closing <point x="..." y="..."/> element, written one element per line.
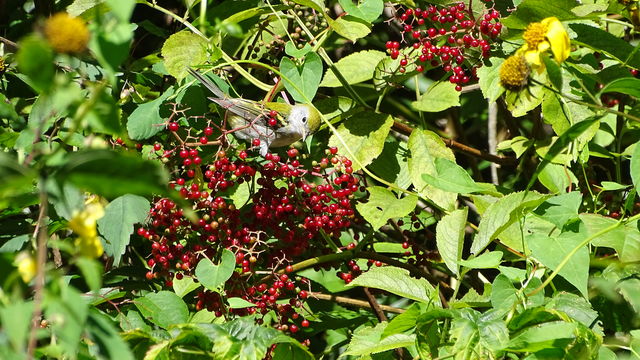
<point x="468" y="188"/>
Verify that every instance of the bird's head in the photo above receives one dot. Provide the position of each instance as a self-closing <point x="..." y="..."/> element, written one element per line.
<point x="304" y="118"/>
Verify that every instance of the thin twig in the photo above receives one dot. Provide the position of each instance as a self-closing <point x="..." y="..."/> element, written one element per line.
<point x="354" y="302"/>
<point x="41" y="261"/>
<point x="502" y="160"/>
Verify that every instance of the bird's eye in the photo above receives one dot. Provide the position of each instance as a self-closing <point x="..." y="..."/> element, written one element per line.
<point x="304" y="119"/>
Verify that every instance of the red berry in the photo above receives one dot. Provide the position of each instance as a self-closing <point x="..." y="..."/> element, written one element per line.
<point x="173" y="126"/>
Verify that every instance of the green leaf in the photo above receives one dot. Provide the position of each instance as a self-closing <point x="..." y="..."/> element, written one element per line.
<point x="355" y="68"/>
<point x="450" y="237"/>
<point x="364" y="133"/>
<point x="367" y="10"/>
<point x="106" y="340"/>
<point x="183" y="50"/>
<point x="551" y="335"/>
<point x="35" y="59"/>
<point x="555" y="114"/>
<point x="489" y="79"/>
<point x="398" y="281"/>
<point x="557" y="178"/>
<point x="426" y="147"/>
<point x="392" y="164"/>
<point x="306" y="80"/>
<point x="104" y="115"/>
<point x="604" y="41"/>
<point x="214" y="276"/>
<point x="146" y="121"/>
<point x="368" y="340"/>
<point x="554" y="71"/>
<point x="578" y="308"/>
<point x="122" y="8"/>
<point x="551" y="250"/>
<point x="91" y="272"/>
<point x="635" y="167"/>
<point x="453" y="178"/>
<point x="109" y="173"/>
<point x="440" y="96"/>
<point x="116" y="226"/>
<point x="629" y="86"/>
<point x="239" y="303"/>
<point x="291" y="49"/>
<point x="503" y="294"/>
<point x="110" y="44"/>
<point x="503" y="213"/>
<point x="488" y="260"/>
<point x="317" y="5"/>
<point x="350" y="27"/>
<point x="163" y="308"/>
<point x="327" y="279"/>
<point x="16" y="315"/>
<point x="624" y="239"/>
<point x="561" y="209"/>
<point x="611" y="186"/>
<point x="535" y="10"/>
<point x="184" y="286"/>
<point x="405" y="321"/>
<point x="384" y="205"/>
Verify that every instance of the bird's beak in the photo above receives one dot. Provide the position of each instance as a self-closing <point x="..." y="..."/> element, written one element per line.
<point x="304" y="134"/>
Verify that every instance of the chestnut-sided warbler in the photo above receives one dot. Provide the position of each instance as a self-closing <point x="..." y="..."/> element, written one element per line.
<point x="249" y="119"/>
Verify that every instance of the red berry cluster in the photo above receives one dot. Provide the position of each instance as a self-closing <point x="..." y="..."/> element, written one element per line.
<point x="292" y="201"/>
<point x="449" y="36"/>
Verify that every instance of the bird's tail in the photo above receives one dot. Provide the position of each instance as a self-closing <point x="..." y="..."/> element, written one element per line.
<point x="208" y="84"/>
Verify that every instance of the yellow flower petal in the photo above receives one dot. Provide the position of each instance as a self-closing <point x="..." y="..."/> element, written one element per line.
<point x="557" y="38"/>
<point x="27" y="266"/>
<point x="89" y="246"/>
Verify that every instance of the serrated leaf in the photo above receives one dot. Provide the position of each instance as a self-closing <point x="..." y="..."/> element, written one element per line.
<point x="624" y="239"/>
<point x="450" y="237"/>
<point x="183" y="50"/>
<point x="163" y="308"/>
<point x="425" y="146"/>
<point x="397" y="281"/>
<point x="489" y="79"/>
<point x="367" y="10"/>
<point x="355" y="68"/>
<point x="350" y="27"/>
<point x="213" y="276"/>
<point x="503" y="213"/>
<point x="561" y="209"/>
<point x="116" y="226"/>
<point x="364" y="133"/>
<point x="383" y="205"/>
<point x="551" y="250"/>
<point x="146" y="121"/>
<point x="302" y="84"/>
<point x="440" y="96"/>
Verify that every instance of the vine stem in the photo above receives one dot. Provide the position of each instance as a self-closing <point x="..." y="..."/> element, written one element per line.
<point x="41" y="261"/>
<point x="573" y="251"/>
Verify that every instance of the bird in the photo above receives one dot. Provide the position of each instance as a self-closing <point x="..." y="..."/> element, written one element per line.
<point x="249" y="118"/>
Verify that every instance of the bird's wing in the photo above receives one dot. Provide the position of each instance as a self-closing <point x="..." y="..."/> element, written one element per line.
<point x="208" y="84"/>
<point x="245" y="108"/>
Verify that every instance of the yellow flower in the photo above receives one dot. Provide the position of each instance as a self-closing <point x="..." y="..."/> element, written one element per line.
<point x="549" y="34"/>
<point x="84" y="223"/>
<point x="26" y="266"/>
<point x="514" y="72"/>
<point x="66" y="34"/>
